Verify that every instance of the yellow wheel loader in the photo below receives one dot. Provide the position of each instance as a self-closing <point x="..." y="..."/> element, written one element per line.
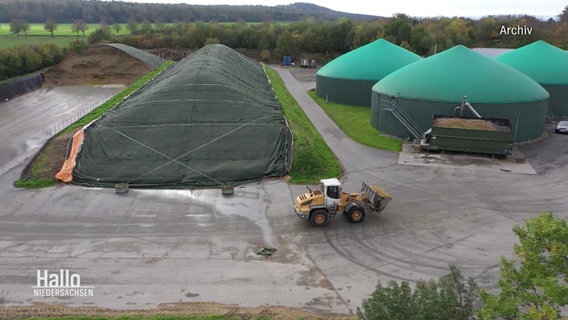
<point x="319" y="206"/>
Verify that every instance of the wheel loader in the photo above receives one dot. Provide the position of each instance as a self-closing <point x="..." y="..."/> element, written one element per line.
<point x="319" y="206"/>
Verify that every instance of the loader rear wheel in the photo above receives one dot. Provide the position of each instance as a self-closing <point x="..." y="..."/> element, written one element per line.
<point x="355" y="214"/>
<point x="319" y="218"/>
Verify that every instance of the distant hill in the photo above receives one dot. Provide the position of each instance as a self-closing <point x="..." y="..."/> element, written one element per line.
<point x="323" y="12"/>
<point x="66" y="11"/>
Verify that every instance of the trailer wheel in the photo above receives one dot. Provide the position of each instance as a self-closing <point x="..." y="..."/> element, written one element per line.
<point x="355" y="214"/>
<point x="319" y="218"/>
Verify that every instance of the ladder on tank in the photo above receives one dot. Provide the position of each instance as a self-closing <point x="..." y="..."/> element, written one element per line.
<point x="391" y="106"/>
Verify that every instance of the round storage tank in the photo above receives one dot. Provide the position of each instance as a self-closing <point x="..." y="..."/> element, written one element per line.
<point x="404" y="102"/>
<point x="547" y="65"/>
<point x="349" y="78"/>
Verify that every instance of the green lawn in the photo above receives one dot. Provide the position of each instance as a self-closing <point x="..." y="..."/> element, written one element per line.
<point x="355" y="121"/>
<point x="38" y="35"/>
<point x="14" y="41"/>
<point x="63" y="29"/>
<point x="312" y="159"/>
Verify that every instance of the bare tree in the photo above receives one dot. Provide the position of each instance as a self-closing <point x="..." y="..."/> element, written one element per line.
<point x="79" y="26"/>
<point x="50" y="25"/>
<point x="117" y="27"/>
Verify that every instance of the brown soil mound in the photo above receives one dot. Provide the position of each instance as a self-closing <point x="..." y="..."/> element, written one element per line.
<point x="96" y="65"/>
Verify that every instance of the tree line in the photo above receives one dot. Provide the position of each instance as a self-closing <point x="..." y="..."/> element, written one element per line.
<point x="94" y="11"/>
<point x="424" y="36"/>
<point x="25" y="59"/>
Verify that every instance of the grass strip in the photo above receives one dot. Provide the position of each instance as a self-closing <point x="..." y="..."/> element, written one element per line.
<point x="355" y="121"/>
<point x="40" y="175"/>
<point x="312" y="158"/>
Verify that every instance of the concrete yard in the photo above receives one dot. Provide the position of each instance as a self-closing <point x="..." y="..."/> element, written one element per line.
<point x="149" y="247"/>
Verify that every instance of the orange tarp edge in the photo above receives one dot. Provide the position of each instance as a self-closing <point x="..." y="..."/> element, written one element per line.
<point x="66" y="172"/>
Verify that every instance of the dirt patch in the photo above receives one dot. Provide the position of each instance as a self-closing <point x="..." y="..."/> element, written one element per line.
<point x="49" y="159"/>
<point x="169" y="309"/>
<point x="96" y="65"/>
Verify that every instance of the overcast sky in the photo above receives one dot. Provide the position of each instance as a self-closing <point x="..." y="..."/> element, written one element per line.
<point x="416" y="8"/>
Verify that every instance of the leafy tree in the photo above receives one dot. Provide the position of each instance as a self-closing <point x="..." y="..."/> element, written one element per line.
<point x="458" y="32"/>
<point x="365" y="32"/>
<point x="79" y="26"/>
<point x="99" y="35"/>
<point x="564" y="15"/>
<point x="421" y="41"/>
<point x="486" y="32"/>
<point x="146" y="27"/>
<point x="450" y="298"/>
<point x="264" y="55"/>
<point x="18" y="26"/>
<point x="287" y="44"/>
<point x="105" y="27"/>
<point x="10" y="63"/>
<point x="211" y="41"/>
<point x="398" y="29"/>
<point x="117" y="27"/>
<point x="132" y="25"/>
<point x="50" y="25"/>
<point x="31" y="59"/>
<point x="535" y="286"/>
<point x="78" y="45"/>
<point x="159" y="25"/>
<point x="198" y="34"/>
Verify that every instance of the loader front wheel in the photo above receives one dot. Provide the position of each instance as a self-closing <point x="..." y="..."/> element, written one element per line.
<point x="355" y="214"/>
<point x="319" y="218"/>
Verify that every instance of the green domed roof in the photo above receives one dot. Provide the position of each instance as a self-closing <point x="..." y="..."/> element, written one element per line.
<point x="543" y="62"/>
<point x="458" y="72"/>
<point x="372" y="62"/>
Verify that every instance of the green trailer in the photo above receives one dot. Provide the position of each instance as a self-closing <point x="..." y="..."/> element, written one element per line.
<point x="471" y="135"/>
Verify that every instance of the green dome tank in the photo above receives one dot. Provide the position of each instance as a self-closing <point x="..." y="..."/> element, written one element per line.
<point x="547" y="65"/>
<point x="436" y="85"/>
<point x="349" y="78"/>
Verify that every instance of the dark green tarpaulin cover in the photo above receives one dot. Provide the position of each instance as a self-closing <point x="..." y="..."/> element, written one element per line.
<point x="210" y="119"/>
<point x="151" y="60"/>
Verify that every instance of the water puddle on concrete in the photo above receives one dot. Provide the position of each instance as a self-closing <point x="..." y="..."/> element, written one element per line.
<point x="247" y="202"/>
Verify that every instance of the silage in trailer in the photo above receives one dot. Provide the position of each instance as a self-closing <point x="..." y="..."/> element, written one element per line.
<point x="211" y="119"/>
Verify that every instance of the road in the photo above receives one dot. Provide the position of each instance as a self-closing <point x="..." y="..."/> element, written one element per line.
<point x="168" y="246"/>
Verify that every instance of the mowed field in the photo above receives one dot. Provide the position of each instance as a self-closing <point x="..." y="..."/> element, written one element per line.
<point x="38" y="35"/>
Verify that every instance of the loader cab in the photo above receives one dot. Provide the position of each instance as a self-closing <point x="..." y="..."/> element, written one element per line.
<point x="331" y="189"/>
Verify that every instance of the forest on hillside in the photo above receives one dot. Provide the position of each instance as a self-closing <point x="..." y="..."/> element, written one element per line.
<point x="95" y="11"/>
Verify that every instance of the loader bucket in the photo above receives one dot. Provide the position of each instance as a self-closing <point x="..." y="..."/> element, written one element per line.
<point x="375" y="197"/>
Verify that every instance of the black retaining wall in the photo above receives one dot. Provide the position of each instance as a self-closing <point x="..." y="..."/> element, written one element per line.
<point x="22" y="85"/>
